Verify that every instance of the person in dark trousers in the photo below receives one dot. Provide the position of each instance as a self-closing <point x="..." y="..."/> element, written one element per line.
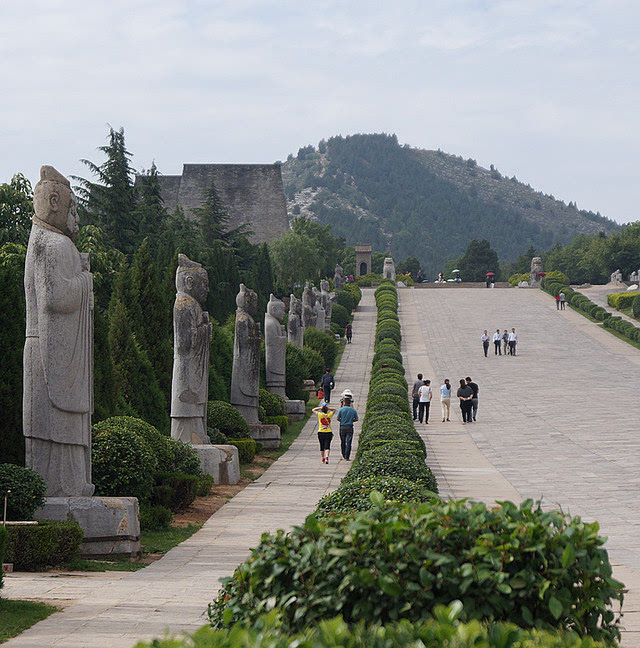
<point x="513" y="342"/>
<point x="563" y="300"/>
<point x="426" y="394"/>
<point x="465" y="394"/>
<point x="485" y="342"/>
<point x="348" y="332"/>
<point x="327" y="384"/>
<point x="325" y="414"/>
<point x="505" y="341"/>
<point x="497" y="338"/>
<point x="416" y="396"/>
<point x="347" y="416"/>
<point x="474" y="399"/>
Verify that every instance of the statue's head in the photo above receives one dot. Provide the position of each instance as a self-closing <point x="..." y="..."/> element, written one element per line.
<point x="276" y="308"/>
<point x="247" y="300"/>
<point x="54" y="203"/>
<point x="192" y="278"/>
<point x="536" y="263"/>
<point x="324" y="285"/>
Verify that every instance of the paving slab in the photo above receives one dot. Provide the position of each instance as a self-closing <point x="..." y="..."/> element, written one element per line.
<point x="116" y="609"/>
<point x="553" y="421"/>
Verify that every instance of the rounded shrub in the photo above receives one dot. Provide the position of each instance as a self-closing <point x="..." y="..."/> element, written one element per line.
<point x="123" y="464"/>
<point x="215" y="436"/>
<point x="272" y="403"/>
<point x="346" y="300"/>
<point x="387" y="388"/>
<point x="387" y="353"/>
<point x="356" y="496"/>
<point x="27" y="488"/>
<point x="398" y="561"/>
<point x="387" y="363"/>
<point x="184" y="458"/>
<point x="296" y="373"/>
<point x="322" y="342"/>
<point x="406" y="445"/>
<point x="340" y="315"/>
<point x="400" y="402"/>
<point x="227" y="419"/>
<point x="314" y="363"/>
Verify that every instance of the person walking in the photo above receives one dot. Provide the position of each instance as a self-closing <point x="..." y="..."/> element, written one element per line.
<point x="347" y="416"/>
<point x="348" y="332"/>
<point x="416" y="396"/>
<point x="497" y="339"/>
<point x="505" y="341"/>
<point x="557" y="302"/>
<point x="426" y="394"/>
<point x="327" y="383"/>
<point x="563" y="300"/>
<point x="347" y="393"/>
<point x="485" y="342"/>
<point x="445" y="399"/>
<point x="474" y="398"/>
<point x="325" y="414"/>
<point x="465" y="394"/>
<point x="513" y="342"/>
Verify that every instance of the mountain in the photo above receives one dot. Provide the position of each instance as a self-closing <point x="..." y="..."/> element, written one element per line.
<point x="427" y="204"/>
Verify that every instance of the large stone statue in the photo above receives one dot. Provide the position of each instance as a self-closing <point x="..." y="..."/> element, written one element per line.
<point x="245" y="375"/>
<point x="536" y="271"/>
<point x="275" y="347"/>
<point x="319" y="310"/>
<point x="58" y="352"/>
<point x="191" y="342"/>
<point x="326" y="303"/>
<point x="338" y="278"/>
<point x="295" y="330"/>
<point x="309" y="317"/>
<point x="616" y="277"/>
<point x="389" y="269"/>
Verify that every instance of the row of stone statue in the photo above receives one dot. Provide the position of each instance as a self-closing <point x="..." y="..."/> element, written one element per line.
<point x="58" y="351"/>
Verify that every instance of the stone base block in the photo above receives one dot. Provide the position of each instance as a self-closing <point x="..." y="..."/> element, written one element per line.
<point x="111" y="525"/>
<point x="309" y="385"/>
<point x="296" y="409"/>
<point x="268" y="435"/>
<point x="219" y="461"/>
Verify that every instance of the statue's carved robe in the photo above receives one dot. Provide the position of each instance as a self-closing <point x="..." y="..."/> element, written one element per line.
<point x="275" y="342"/>
<point x="190" y="384"/>
<point x="295" y="330"/>
<point x="245" y="376"/>
<point x="320" y="316"/>
<point x="58" y="364"/>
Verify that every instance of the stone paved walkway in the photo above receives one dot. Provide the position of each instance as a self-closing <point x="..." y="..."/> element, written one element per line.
<point x="598" y="295"/>
<point x="555" y="422"/>
<point x="116" y="610"/>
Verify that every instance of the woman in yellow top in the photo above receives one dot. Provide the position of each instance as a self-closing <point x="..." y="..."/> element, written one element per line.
<point x="325" y="414"/>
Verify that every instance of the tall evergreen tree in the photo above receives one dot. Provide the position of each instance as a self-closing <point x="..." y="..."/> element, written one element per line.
<point x="111" y="201"/>
<point x="150" y="213"/>
<point x="16" y="209"/>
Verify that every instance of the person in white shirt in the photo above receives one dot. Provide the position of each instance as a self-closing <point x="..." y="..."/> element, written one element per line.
<point x="497" y="338"/>
<point x="513" y="341"/>
<point x="426" y="394"/>
<point x="485" y="342"/>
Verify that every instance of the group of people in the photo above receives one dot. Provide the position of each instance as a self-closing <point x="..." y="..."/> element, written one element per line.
<point x="506" y="341"/>
<point x="561" y="301"/>
<point x="346" y="415"/>
<point x="422" y="395"/>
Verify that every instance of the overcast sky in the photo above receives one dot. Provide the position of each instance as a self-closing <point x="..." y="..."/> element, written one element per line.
<point x="546" y="90"/>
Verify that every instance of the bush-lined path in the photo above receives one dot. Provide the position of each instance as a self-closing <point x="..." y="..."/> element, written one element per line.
<point x="558" y="421"/>
<point x="116" y="610"/>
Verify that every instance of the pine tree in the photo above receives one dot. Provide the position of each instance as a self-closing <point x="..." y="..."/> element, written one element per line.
<point x="150" y="213"/>
<point x="111" y="202"/>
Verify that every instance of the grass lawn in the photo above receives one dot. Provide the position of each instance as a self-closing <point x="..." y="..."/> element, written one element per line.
<point x="103" y="565"/>
<point x="17" y="616"/>
<point x="159" y="542"/>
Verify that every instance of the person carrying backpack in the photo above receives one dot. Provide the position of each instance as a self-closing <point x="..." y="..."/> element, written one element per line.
<point x="327" y="383"/>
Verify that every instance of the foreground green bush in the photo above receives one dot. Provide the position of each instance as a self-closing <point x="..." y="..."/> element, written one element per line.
<point x="531" y="567"/>
<point x="272" y="403"/>
<point x="175" y="491"/>
<point x="445" y="630"/>
<point x="49" y="544"/>
<point x="27" y="491"/>
<point x="246" y="449"/>
<point x="226" y="418"/>
<point x="324" y="343"/>
<point x="621" y="300"/>
<point x="154" y="518"/>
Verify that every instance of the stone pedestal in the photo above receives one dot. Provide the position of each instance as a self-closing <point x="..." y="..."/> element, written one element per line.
<point x="111" y="525"/>
<point x="309" y="385"/>
<point x="267" y="435"/>
<point x="296" y="409"/>
<point x="219" y="461"/>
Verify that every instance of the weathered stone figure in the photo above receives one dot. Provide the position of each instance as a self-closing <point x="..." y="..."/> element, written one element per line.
<point x="326" y="303"/>
<point x="58" y="352"/>
<point x="616" y="277"/>
<point x="309" y="317"/>
<point x="338" y="278"/>
<point x="295" y="330"/>
<point x="319" y="310"/>
<point x="245" y="375"/>
<point x="275" y="347"/>
<point x="389" y="269"/>
<point x="191" y="342"/>
<point x="536" y="270"/>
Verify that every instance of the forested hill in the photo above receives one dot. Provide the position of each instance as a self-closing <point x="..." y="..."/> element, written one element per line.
<point x="426" y="204"/>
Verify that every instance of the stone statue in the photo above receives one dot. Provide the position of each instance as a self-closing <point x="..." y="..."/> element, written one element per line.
<point x="191" y="342"/>
<point x="338" y="278"/>
<point x="616" y="277"/>
<point x="58" y="351"/>
<point x="326" y="303"/>
<point x="319" y="310"/>
<point x="389" y="269"/>
<point x="245" y="374"/>
<point x="309" y="317"/>
<point x="536" y="271"/>
<point x="275" y="347"/>
<point x="295" y="330"/>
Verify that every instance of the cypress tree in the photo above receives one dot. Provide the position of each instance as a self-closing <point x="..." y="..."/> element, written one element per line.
<point x="150" y="213"/>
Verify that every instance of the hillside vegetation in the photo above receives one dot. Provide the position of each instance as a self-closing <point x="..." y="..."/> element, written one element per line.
<point x="426" y="204"/>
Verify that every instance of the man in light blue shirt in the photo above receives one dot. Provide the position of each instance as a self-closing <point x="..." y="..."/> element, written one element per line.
<point x="347" y="416"/>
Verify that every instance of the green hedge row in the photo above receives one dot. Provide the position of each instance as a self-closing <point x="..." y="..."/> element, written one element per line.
<point x="622" y="300"/>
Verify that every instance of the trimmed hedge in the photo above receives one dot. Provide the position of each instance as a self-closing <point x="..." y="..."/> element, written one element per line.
<point x="340" y="316"/>
<point x="314" y="363"/>
<point x="246" y="449"/>
<point x="272" y="403"/>
<point x="27" y="488"/>
<point x="155" y="518"/>
<point x="175" y="491"/>
<point x="324" y="343"/>
<point x="622" y="300"/>
<point x="227" y="419"/>
<point x="535" y="568"/>
<point x="281" y="421"/>
<point x="49" y="544"/>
